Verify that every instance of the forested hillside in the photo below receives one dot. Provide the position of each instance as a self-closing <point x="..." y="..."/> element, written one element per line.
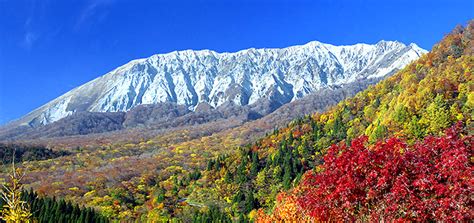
<point x="196" y="175"/>
<point x="425" y="98"/>
<point x="389" y="181"/>
<point x="157" y="112"/>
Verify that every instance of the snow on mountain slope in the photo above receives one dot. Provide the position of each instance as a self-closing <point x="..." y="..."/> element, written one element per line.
<point x="244" y="77"/>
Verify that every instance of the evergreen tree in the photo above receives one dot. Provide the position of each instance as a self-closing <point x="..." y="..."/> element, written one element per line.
<point x="249" y="202"/>
<point x="254" y="165"/>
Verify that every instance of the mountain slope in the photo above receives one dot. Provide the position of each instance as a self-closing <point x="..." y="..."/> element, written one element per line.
<point x="423" y="99"/>
<point x="246" y="77"/>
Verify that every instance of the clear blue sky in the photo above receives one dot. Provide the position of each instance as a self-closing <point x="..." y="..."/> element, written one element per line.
<point x="48" y="47"/>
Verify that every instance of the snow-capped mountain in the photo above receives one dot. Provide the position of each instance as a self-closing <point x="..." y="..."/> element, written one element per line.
<point x="245" y="77"/>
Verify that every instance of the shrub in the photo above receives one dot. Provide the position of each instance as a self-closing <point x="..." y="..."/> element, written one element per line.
<point x="431" y="180"/>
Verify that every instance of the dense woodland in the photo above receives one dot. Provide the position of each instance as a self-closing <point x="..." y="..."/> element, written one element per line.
<point x="413" y="123"/>
<point x="45" y="209"/>
<point x="19" y="153"/>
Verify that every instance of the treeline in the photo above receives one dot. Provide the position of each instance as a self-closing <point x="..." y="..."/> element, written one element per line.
<point x="52" y="210"/>
<point x="19" y="153"/>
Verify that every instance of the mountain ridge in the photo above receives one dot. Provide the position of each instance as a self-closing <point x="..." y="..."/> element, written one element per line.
<point x="244" y="77"/>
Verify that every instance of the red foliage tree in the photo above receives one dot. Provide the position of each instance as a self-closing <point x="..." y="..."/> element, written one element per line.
<point x="431" y="180"/>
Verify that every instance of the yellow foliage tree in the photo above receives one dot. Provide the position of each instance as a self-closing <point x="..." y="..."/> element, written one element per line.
<point x="14" y="210"/>
<point x="286" y="210"/>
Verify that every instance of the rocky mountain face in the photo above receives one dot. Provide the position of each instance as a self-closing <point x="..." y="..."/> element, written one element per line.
<point x="154" y="119"/>
<point x="191" y="78"/>
<point x="193" y="87"/>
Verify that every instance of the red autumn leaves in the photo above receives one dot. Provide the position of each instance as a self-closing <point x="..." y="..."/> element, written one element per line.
<point x="431" y="180"/>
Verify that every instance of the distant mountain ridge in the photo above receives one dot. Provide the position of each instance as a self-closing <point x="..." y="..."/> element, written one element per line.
<point x="191" y="78"/>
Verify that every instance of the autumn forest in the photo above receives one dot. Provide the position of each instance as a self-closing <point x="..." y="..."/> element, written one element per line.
<point x="400" y="150"/>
